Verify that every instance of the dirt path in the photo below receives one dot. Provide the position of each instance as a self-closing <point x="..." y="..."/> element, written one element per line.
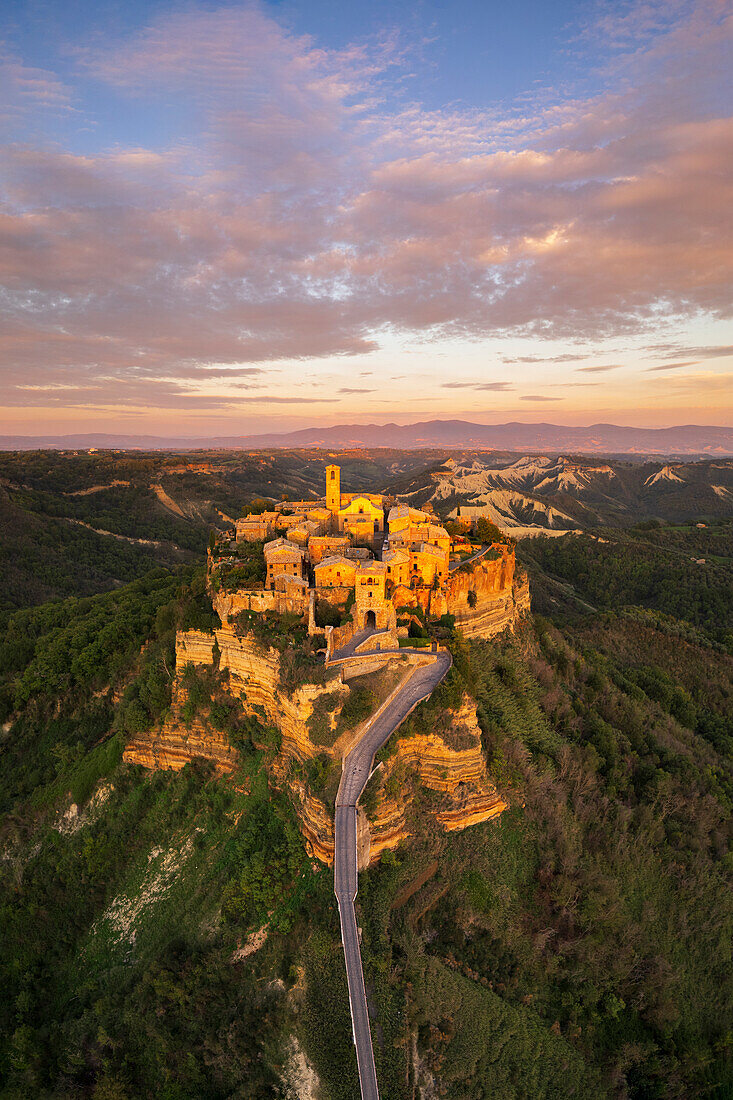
<point x="156" y="543"/>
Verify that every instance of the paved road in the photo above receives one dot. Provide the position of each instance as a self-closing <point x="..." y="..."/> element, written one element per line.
<point x="457" y="564"/>
<point x="349" y="649"/>
<point x="356" y="769"/>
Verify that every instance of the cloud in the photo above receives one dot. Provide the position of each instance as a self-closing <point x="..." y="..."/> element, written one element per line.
<point x="308" y="213"/>
<point x="491" y="386"/>
<point x="567" y="357"/>
<point x="538" y="397"/>
<point x="600" y="369"/>
<point x="671" y="366"/>
<point x="270" y="399"/>
<point x="674" y="351"/>
<point x="25" y="90"/>
<point x="347" y="389"/>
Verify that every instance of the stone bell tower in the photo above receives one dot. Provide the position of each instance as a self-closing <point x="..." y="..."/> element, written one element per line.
<point x="333" y="489"/>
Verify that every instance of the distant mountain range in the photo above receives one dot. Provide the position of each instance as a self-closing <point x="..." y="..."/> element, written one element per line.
<point x="683" y="439"/>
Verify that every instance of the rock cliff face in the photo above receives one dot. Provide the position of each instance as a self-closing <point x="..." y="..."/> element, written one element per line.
<point x="500" y="596"/>
<point x="254" y="676"/>
<point x="176" y="743"/>
<point x="458" y="776"/>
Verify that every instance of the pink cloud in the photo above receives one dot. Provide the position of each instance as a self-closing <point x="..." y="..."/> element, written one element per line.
<point x="308" y="218"/>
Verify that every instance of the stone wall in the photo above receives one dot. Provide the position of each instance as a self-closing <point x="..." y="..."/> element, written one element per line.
<point x="336" y="595"/>
<point x="229" y="604"/>
<point x="338" y="636"/>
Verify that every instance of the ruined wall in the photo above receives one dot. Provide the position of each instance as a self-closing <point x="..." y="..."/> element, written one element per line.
<point x="229" y="604"/>
<point x="338" y="636"/>
<point x="337" y="595"/>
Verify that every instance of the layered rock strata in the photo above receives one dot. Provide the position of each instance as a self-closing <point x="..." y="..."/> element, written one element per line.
<point x="176" y="743"/>
<point x="459" y="775"/>
<point x="487" y="596"/>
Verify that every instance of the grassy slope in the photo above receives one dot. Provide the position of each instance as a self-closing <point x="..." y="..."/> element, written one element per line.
<point x="42" y="558"/>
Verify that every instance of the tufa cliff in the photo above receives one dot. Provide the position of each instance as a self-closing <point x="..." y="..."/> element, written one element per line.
<point x="463" y="793"/>
<point x="253" y="675"/>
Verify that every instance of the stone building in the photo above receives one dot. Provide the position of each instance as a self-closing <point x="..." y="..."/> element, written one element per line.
<point x="361" y="519"/>
<point x="372" y="609"/>
<point x="327" y="554"/>
<point x="256" y="528"/>
<point x="428" y="564"/>
<point x="319" y="515"/>
<point x="402" y="515"/>
<point x="415" y="534"/>
<point x="283" y="558"/>
<point x="301" y="533"/>
<point x="398" y="567"/>
<point x="333" y="490"/>
<point x="335" y="572"/>
<point x="356" y="517"/>
<point x="324" y="546"/>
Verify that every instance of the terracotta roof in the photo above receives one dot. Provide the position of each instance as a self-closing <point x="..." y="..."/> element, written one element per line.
<point x="404" y="511"/>
<point x="284" y="556"/>
<point x="428" y="548"/>
<point x="278" y="542"/>
<point x="335" y="559"/>
<point x="282" y="551"/>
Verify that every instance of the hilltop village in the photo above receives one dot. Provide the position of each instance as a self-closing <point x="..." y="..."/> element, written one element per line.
<point x="325" y="607"/>
<point x="374" y="562"/>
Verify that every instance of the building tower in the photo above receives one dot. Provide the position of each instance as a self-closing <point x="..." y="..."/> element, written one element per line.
<point x="333" y="489"/>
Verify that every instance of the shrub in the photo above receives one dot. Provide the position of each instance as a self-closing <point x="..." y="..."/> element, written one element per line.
<point x="328" y="615"/>
<point x="357" y="708"/>
<point x="300" y="665"/>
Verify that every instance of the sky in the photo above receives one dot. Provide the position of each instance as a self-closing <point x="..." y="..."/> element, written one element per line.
<point x="224" y="219"/>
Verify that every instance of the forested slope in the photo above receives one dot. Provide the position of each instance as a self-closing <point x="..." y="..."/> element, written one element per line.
<point x="579" y="945"/>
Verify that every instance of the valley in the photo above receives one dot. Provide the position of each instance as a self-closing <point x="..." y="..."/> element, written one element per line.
<point x="543" y="846"/>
